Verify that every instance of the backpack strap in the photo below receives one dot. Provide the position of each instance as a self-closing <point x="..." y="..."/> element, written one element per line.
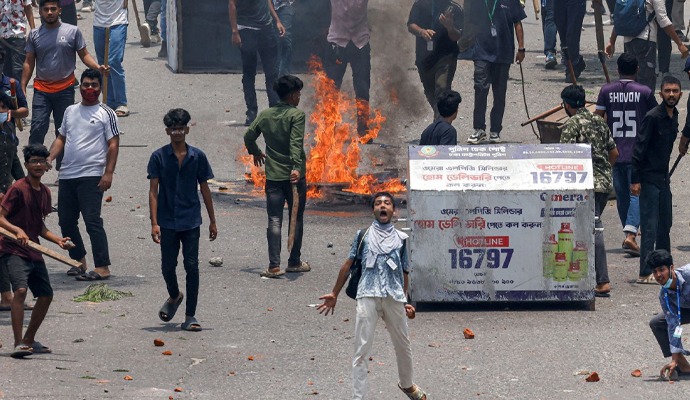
<point x="360" y="241"/>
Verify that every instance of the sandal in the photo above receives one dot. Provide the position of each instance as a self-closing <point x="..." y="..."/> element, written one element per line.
<point x="647" y="281"/>
<point x="268" y="274"/>
<point x="302" y="267"/>
<point x="167" y="312"/>
<point x="92" y="276"/>
<point x="38" y="348"/>
<point x="122" y="111"/>
<point x="76" y="271"/>
<point x="191" y="325"/>
<point x="417" y="394"/>
<point x="21" y="351"/>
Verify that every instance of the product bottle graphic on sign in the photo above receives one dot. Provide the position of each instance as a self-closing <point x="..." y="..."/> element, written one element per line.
<point x="549" y="255"/>
<point x="580" y="257"/>
<point x="574" y="273"/>
<point x="560" y="267"/>
<point x="565" y="241"/>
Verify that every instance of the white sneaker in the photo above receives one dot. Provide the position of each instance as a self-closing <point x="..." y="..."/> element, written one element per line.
<point x="86" y="9"/>
<point x="145" y="33"/>
<point x="494" y="137"/>
<point x="155" y="38"/>
<point x="477" y="136"/>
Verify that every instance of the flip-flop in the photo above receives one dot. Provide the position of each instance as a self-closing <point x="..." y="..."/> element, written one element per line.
<point x="269" y="274"/>
<point x="603" y="293"/>
<point x="38" y="348"/>
<point x="302" y="267"/>
<point x="418" y="393"/>
<point x="21" y="351"/>
<point x="167" y="312"/>
<point x="191" y="325"/>
<point x="647" y="281"/>
<point x="27" y="307"/>
<point x="76" y="271"/>
<point x="92" y="276"/>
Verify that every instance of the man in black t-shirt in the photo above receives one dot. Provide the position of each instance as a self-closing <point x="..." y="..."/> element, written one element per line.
<point x="441" y="131"/>
<point x="436" y="24"/>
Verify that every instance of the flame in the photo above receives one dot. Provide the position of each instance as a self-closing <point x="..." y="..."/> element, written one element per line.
<point x="335" y="154"/>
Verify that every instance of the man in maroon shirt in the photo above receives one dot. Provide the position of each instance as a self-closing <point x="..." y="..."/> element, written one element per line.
<point x="24" y="208"/>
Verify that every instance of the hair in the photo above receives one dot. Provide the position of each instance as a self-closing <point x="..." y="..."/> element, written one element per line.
<point x="658" y="258"/>
<point x="176" y="117"/>
<point x="35" y="150"/>
<point x="42" y="3"/>
<point x="92" y="74"/>
<point x="7" y="101"/>
<point x="574" y="95"/>
<point x="627" y="64"/>
<point x="287" y="84"/>
<point x="447" y="102"/>
<point x="382" y="194"/>
<point x="669" y="80"/>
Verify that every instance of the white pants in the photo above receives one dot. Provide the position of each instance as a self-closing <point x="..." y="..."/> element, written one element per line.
<point x="369" y="309"/>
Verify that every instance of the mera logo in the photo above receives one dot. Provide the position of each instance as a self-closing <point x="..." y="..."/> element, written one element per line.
<point x="428" y="151"/>
<point x="564" y="197"/>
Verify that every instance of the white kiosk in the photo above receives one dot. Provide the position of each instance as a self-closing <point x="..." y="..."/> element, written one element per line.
<point x="501" y="223"/>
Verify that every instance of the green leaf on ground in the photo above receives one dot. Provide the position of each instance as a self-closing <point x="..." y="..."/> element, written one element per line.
<point x="100" y="292"/>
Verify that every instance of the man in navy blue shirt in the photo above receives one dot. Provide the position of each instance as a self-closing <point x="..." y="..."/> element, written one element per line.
<point x="441" y="132"/>
<point x="174" y="171"/>
<point x="674" y="297"/>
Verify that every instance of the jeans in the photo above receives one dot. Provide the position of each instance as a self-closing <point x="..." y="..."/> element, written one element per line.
<point x="152" y="8"/>
<point x="645" y="53"/>
<point x="487" y="74"/>
<point x="663" y="42"/>
<point x="42" y="106"/>
<point x="68" y="14"/>
<point x="628" y="205"/>
<point x="170" y="248"/>
<point x="548" y="26"/>
<point x="369" y="310"/>
<point x="286" y="14"/>
<point x="660" y="329"/>
<point x="656" y="219"/>
<point x="600" y="263"/>
<point x="360" y="63"/>
<point x="568" y="17"/>
<point x="13" y="56"/>
<point x="82" y="195"/>
<point x="164" y="18"/>
<point x="277" y="193"/>
<point x="264" y="43"/>
<point x="117" y="91"/>
<point x="437" y="79"/>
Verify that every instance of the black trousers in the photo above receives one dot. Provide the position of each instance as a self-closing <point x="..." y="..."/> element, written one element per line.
<point x="660" y="329"/>
<point x="170" y="248"/>
<point x="664" y="42"/>
<point x="256" y="43"/>
<point x="277" y="193"/>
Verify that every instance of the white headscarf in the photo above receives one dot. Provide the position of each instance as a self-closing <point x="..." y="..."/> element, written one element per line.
<point x="382" y="239"/>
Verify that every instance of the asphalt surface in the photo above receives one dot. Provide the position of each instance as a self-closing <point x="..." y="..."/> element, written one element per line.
<point x="263" y="339"/>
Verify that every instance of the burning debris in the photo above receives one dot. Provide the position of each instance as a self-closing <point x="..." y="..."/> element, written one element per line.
<point x="335" y="154"/>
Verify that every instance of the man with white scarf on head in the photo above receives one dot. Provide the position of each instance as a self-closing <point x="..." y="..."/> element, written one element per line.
<point x="382" y="292"/>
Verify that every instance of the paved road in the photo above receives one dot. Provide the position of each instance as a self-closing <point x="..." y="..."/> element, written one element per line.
<point x="527" y="352"/>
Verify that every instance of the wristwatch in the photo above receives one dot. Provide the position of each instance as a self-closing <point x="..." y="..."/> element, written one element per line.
<point x="521" y="50"/>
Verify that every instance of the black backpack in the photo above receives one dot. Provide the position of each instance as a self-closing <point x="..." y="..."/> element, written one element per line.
<point x="356" y="267"/>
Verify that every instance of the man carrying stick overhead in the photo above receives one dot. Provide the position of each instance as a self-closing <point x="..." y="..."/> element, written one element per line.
<point x="283" y="129"/>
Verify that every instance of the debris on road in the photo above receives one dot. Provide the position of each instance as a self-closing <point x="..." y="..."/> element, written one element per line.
<point x="216" y="261"/>
<point x="468" y="333"/>
<point x="593" y="377"/>
<point x="636" y="373"/>
<point x="167" y="353"/>
<point x="100" y="292"/>
<point x="158" y="342"/>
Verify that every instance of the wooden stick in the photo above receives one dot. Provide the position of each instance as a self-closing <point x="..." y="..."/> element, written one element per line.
<point x="293" y="216"/>
<point x="105" y="62"/>
<point x="136" y="12"/>
<point x="13" y="96"/>
<point x="43" y="250"/>
<point x="543" y="115"/>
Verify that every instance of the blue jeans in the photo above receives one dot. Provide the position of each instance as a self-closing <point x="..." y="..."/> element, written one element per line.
<point x="83" y="196"/>
<point x="656" y="219"/>
<point x="568" y="17"/>
<point x="117" y="92"/>
<point x="628" y="205"/>
<point x="42" y="106"/>
<point x="286" y="13"/>
<point x="164" y="24"/>
<point x="548" y="26"/>
<point x="170" y="248"/>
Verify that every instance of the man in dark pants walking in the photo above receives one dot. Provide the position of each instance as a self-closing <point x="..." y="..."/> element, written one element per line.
<point x="286" y="164"/>
<point x="286" y="14"/>
<point x="548" y="27"/>
<point x="251" y="22"/>
<point x="650" y="176"/>
<point x="174" y="171"/>
<point x="568" y="16"/>
<point x="348" y="37"/>
<point x="18" y="17"/>
<point x="674" y="297"/>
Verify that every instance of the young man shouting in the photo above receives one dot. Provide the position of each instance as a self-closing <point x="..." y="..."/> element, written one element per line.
<point x="382" y="292"/>
<point x="24" y="208"/>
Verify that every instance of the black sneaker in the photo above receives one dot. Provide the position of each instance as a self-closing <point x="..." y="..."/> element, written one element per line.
<point x="251" y="116"/>
<point x="163" y="53"/>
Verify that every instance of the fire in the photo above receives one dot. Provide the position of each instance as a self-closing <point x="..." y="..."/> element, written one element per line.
<point x="335" y="154"/>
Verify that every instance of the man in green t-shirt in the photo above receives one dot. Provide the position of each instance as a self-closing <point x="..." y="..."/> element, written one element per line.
<point x="283" y="128"/>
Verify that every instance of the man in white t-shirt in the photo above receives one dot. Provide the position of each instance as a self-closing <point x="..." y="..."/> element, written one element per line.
<point x="90" y="139"/>
<point x="112" y="14"/>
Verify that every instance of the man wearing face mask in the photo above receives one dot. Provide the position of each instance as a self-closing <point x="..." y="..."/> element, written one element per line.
<point x="674" y="297"/>
<point x="585" y="127"/>
<point x="90" y="139"/>
<point x="650" y="176"/>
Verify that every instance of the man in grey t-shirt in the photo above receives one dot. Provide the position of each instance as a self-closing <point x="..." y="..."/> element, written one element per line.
<point x="52" y="51"/>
